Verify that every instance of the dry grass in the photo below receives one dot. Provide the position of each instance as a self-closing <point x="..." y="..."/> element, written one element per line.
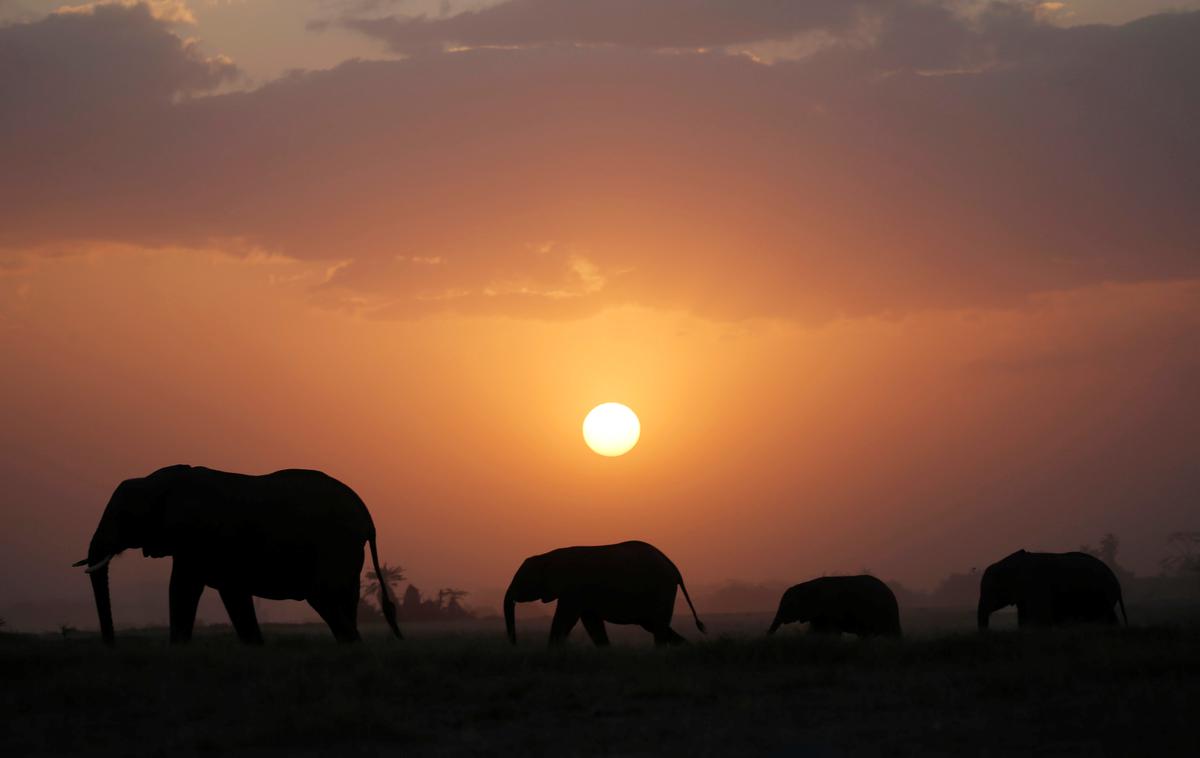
<point x="1083" y="692"/>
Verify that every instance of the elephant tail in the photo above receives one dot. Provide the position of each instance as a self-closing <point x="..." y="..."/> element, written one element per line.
<point x="385" y="603"/>
<point x="1121" y="602"/>
<point x="688" y="598"/>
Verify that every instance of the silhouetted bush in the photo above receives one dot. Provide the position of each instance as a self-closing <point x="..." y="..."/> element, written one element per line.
<point x="446" y="607"/>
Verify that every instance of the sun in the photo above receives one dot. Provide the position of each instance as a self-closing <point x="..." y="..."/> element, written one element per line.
<point x="611" y="429"/>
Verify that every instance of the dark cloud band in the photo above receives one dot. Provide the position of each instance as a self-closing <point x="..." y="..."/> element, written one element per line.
<point x="949" y="162"/>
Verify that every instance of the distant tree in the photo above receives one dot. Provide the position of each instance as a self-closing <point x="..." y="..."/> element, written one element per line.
<point x="1107" y="552"/>
<point x="1108" y="548"/>
<point x="66" y="631"/>
<point x="452" y="609"/>
<point x="366" y="606"/>
<point x="1183" y="557"/>
<point x="412" y="599"/>
<point x="416" y="608"/>
<point x="431" y="610"/>
<point x="2" y="622"/>
<point x="387" y="576"/>
<point x="450" y="595"/>
<point x="368" y="599"/>
<point x="447" y="607"/>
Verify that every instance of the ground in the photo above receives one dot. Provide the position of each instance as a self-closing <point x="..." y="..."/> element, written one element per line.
<point x="464" y="690"/>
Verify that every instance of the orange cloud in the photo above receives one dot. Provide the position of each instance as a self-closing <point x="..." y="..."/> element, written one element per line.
<point x="953" y="161"/>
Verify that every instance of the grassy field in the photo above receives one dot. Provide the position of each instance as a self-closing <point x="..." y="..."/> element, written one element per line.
<point x="1085" y="692"/>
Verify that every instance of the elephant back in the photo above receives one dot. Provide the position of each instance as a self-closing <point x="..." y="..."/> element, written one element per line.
<point x="293" y="506"/>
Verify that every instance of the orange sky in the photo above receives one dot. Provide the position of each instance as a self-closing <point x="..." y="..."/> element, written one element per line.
<point x="905" y="304"/>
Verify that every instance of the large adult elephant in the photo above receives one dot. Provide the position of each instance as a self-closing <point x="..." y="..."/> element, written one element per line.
<point x="860" y="605"/>
<point x="1051" y="589"/>
<point x="290" y="535"/>
<point x="626" y="583"/>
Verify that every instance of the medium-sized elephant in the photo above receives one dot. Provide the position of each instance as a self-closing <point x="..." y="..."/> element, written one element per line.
<point x="626" y="583"/>
<point x="860" y="605"/>
<point x="1051" y="589"/>
<point x="290" y="535"/>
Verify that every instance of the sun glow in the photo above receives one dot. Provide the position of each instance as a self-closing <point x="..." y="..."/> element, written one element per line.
<point x="611" y="429"/>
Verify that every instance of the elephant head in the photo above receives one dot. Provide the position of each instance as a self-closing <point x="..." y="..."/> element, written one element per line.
<point x="134" y="518"/>
<point x="794" y="607"/>
<point x="534" y="580"/>
<point x="999" y="586"/>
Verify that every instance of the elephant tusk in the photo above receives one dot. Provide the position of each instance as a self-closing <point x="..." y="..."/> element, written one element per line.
<point x="77" y="564"/>
<point x="97" y="566"/>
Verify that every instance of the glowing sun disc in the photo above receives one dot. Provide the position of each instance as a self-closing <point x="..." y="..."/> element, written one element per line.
<point x="611" y="429"/>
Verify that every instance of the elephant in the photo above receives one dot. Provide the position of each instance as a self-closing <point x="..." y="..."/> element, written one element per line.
<point x="861" y="605"/>
<point x="294" y="534"/>
<point x="626" y="583"/>
<point x="1051" y="589"/>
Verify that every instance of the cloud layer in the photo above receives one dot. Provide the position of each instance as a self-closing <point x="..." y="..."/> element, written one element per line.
<point x="921" y="158"/>
<point x="638" y="23"/>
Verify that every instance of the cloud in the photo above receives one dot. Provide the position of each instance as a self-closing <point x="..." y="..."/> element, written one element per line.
<point x="1104" y="335"/>
<point x="944" y="161"/>
<point x="174" y="11"/>
<point x="639" y="23"/>
<point x="94" y="60"/>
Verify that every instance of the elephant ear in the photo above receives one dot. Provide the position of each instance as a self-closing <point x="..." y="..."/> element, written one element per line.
<point x="550" y="578"/>
<point x="157" y="543"/>
<point x="165" y="490"/>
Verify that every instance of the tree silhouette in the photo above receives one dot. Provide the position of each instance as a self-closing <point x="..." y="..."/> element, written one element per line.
<point x="1185" y="554"/>
<point x="450" y="597"/>
<point x="1107" y="552"/>
<point x="387" y="576"/>
<point x="446" y="607"/>
<point x="412" y="600"/>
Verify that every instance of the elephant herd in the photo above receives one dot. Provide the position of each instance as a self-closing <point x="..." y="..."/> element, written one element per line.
<point x="299" y="535"/>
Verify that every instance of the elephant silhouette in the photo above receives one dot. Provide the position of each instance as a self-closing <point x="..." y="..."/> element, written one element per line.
<point x="291" y="535"/>
<point x="626" y="583"/>
<point x="1051" y="589"/>
<point x="861" y="605"/>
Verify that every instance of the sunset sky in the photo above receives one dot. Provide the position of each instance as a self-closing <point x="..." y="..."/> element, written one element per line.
<point x="900" y="286"/>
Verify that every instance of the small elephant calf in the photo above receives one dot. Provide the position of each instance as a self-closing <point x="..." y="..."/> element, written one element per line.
<point x="860" y="605"/>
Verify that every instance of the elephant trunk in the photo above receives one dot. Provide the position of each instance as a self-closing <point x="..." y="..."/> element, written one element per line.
<point x="510" y="620"/>
<point x="99" y="579"/>
<point x="982" y="615"/>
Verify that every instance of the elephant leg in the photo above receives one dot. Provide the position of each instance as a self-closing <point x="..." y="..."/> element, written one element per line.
<point x="349" y="605"/>
<point x="565" y="618"/>
<point x="594" y="625"/>
<point x="338" y="615"/>
<point x="240" y="607"/>
<point x="665" y="635"/>
<point x="184" y="596"/>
